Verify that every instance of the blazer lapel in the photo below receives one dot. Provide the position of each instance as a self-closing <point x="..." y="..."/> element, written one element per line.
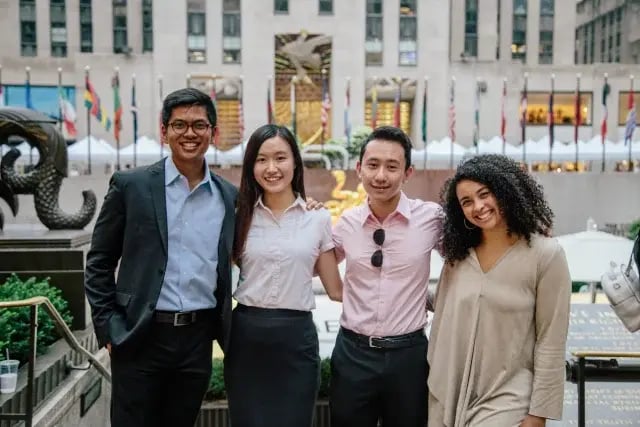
<point x="226" y="234"/>
<point x="159" y="199"/>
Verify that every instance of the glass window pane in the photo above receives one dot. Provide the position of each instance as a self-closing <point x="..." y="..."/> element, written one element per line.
<point x="563" y="108"/>
<point x="231" y="56"/>
<point x="231" y="6"/>
<point x="231" y="24"/>
<point x="196" y="23"/>
<point x="281" y="6"/>
<point x="408" y="28"/>
<point x="374" y="28"/>
<point x="325" y="6"/>
<point x="374" y="7"/>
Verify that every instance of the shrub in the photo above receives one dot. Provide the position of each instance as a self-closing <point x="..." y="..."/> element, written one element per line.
<point x="14" y="322"/>
<point x="634" y="228"/>
<point x="325" y="378"/>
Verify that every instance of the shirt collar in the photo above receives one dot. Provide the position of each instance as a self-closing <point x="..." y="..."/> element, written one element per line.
<point x="403" y="208"/>
<point x="171" y="173"/>
<point x="299" y="201"/>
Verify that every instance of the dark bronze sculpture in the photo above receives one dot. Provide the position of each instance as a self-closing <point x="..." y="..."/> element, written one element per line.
<point x="45" y="179"/>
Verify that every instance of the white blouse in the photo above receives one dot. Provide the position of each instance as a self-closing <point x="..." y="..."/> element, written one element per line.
<point x="280" y="254"/>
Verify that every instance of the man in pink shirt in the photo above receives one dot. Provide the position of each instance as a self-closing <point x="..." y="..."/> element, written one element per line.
<point x="378" y="367"/>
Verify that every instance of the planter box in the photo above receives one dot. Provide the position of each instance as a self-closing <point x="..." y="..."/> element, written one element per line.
<point x="216" y="414"/>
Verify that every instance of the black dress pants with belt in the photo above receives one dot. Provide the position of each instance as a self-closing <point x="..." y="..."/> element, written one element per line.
<point x="370" y="384"/>
<point x="163" y="380"/>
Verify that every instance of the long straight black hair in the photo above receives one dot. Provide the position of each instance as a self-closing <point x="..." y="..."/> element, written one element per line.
<point x="250" y="190"/>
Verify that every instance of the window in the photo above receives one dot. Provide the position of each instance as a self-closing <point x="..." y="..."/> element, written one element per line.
<point x="280" y="6"/>
<point x="408" y="46"/>
<point x="57" y="15"/>
<point x="471" y="28"/>
<point x="231" y="32"/>
<point x="564" y="107"/>
<point x="147" y="25"/>
<point x="545" y="54"/>
<point x="623" y="107"/>
<point x="28" y="42"/>
<point x="196" y="32"/>
<point x="44" y="98"/>
<point x="325" y="7"/>
<point x="86" y="26"/>
<point x="519" y="34"/>
<point x="373" y="33"/>
<point x="120" y="42"/>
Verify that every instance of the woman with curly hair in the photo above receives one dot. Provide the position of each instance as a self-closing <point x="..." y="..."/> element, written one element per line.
<point x="497" y="344"/>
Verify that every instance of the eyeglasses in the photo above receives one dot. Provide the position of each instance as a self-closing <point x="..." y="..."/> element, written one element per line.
<point x="199" y="128"/>
<point x="378" y="238"/>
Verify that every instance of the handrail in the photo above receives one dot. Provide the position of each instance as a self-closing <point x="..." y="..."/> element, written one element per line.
<point x="62" y="328"/>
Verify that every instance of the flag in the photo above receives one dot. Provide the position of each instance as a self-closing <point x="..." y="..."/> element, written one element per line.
<point x="92" y="102"/>
<point x="240" y="114"/>
<point x="214" y="98"/>
<point x="476" y="117"/>
<point x="374" y="106"/>
<point x="452" y="112"/>
<point x="326" y="106"/>
<point x="424" y="115"/>
<point x="631" y="119"/>
<point x="578" y="118"/>
<point x="68" y="115"/>
<point x="347" y="105"/>
<point x="551" y="119"/>
<point x="270" y="118"/>
<point x="292" y="102"/>
<point x="503" y="116"/>
<point x="134" y="110"/>
<point x="606" y="89"/>
<point x="117" y="107"/>
<point x="396" y="106"/>
<point x="523" y="110"/>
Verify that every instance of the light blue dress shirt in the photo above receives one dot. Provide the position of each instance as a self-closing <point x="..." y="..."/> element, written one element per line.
<point x="194" y="223"/>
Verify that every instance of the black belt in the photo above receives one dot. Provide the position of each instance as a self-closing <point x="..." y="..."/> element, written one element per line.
<point x="182" y="318"/>
<point x="396" y="341"/>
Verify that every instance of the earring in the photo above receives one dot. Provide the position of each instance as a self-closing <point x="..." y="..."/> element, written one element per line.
<point x="464" y="220"/>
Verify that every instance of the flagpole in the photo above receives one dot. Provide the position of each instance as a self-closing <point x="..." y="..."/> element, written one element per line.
<point x="292" y="101"/>
<point x="503" y="119"/>
<point x="27" y="71"/>
<point x="270" y="119"/>
<point x="424" y="122"/>
<point x="523" y="105"/>
<point x="630" y="168"/>
<point x="476" y="117"/>
<point x="603" y="126"/>
<point x="575" y="131"/>
<point x="161" y="101"/>
<point x="323" y="124"/>
<point x="452" y="125"/>
<point x="551" y="118"/>
<point x="86" y="80"/>
<point x="347" y="119"/>
<point x="60" y="120"/>
<point x="135" y="120"/>
<point x="241" y="114"/>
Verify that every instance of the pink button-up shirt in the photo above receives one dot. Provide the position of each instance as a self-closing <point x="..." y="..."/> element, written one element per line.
<point x="388" y="300"/>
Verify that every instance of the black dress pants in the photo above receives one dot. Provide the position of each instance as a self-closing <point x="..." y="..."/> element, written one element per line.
<point x="371" y="384"/>
<point x="163" y="381"/>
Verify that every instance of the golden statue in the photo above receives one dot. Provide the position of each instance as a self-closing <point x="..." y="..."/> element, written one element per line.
<point x="343" y="199"/>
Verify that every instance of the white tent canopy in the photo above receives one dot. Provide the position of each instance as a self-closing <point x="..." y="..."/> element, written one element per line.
<point x="101" y="151"/>
<point x="147" y="151"/>
<point x="589" y="253"/>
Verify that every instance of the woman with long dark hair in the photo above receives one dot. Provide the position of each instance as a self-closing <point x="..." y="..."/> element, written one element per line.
<point x="272" y="365"/>
<point x="497" y="343"/>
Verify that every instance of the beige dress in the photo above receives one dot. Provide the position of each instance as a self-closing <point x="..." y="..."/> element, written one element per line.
<point x="497" y="344"/>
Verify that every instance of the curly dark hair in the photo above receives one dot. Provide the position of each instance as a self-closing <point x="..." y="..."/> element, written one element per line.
<point x="520" y="200"/>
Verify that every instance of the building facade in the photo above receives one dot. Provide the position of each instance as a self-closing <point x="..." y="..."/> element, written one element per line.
<point x="608" y="31"/>
<point x="380" y="49"/>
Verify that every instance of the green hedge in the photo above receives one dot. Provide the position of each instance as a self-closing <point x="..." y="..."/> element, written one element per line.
<point x="216" y="383"/>
<point x="14" y="322"/>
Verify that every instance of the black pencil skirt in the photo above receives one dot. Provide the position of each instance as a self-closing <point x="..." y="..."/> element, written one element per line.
<point x="272" y="368"/>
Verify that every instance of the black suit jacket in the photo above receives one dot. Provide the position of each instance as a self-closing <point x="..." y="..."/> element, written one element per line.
<point x="132" y="229"/>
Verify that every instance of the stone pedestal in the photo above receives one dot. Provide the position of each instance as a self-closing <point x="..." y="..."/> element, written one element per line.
<point x="32" y="250"/>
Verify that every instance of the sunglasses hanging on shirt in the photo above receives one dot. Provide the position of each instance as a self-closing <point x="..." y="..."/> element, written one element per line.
<point x="378" y="238"/>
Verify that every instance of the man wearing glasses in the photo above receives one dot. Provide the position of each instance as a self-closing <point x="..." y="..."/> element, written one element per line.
<point x="379" y="367"/>
<point x="170" y="226"/>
